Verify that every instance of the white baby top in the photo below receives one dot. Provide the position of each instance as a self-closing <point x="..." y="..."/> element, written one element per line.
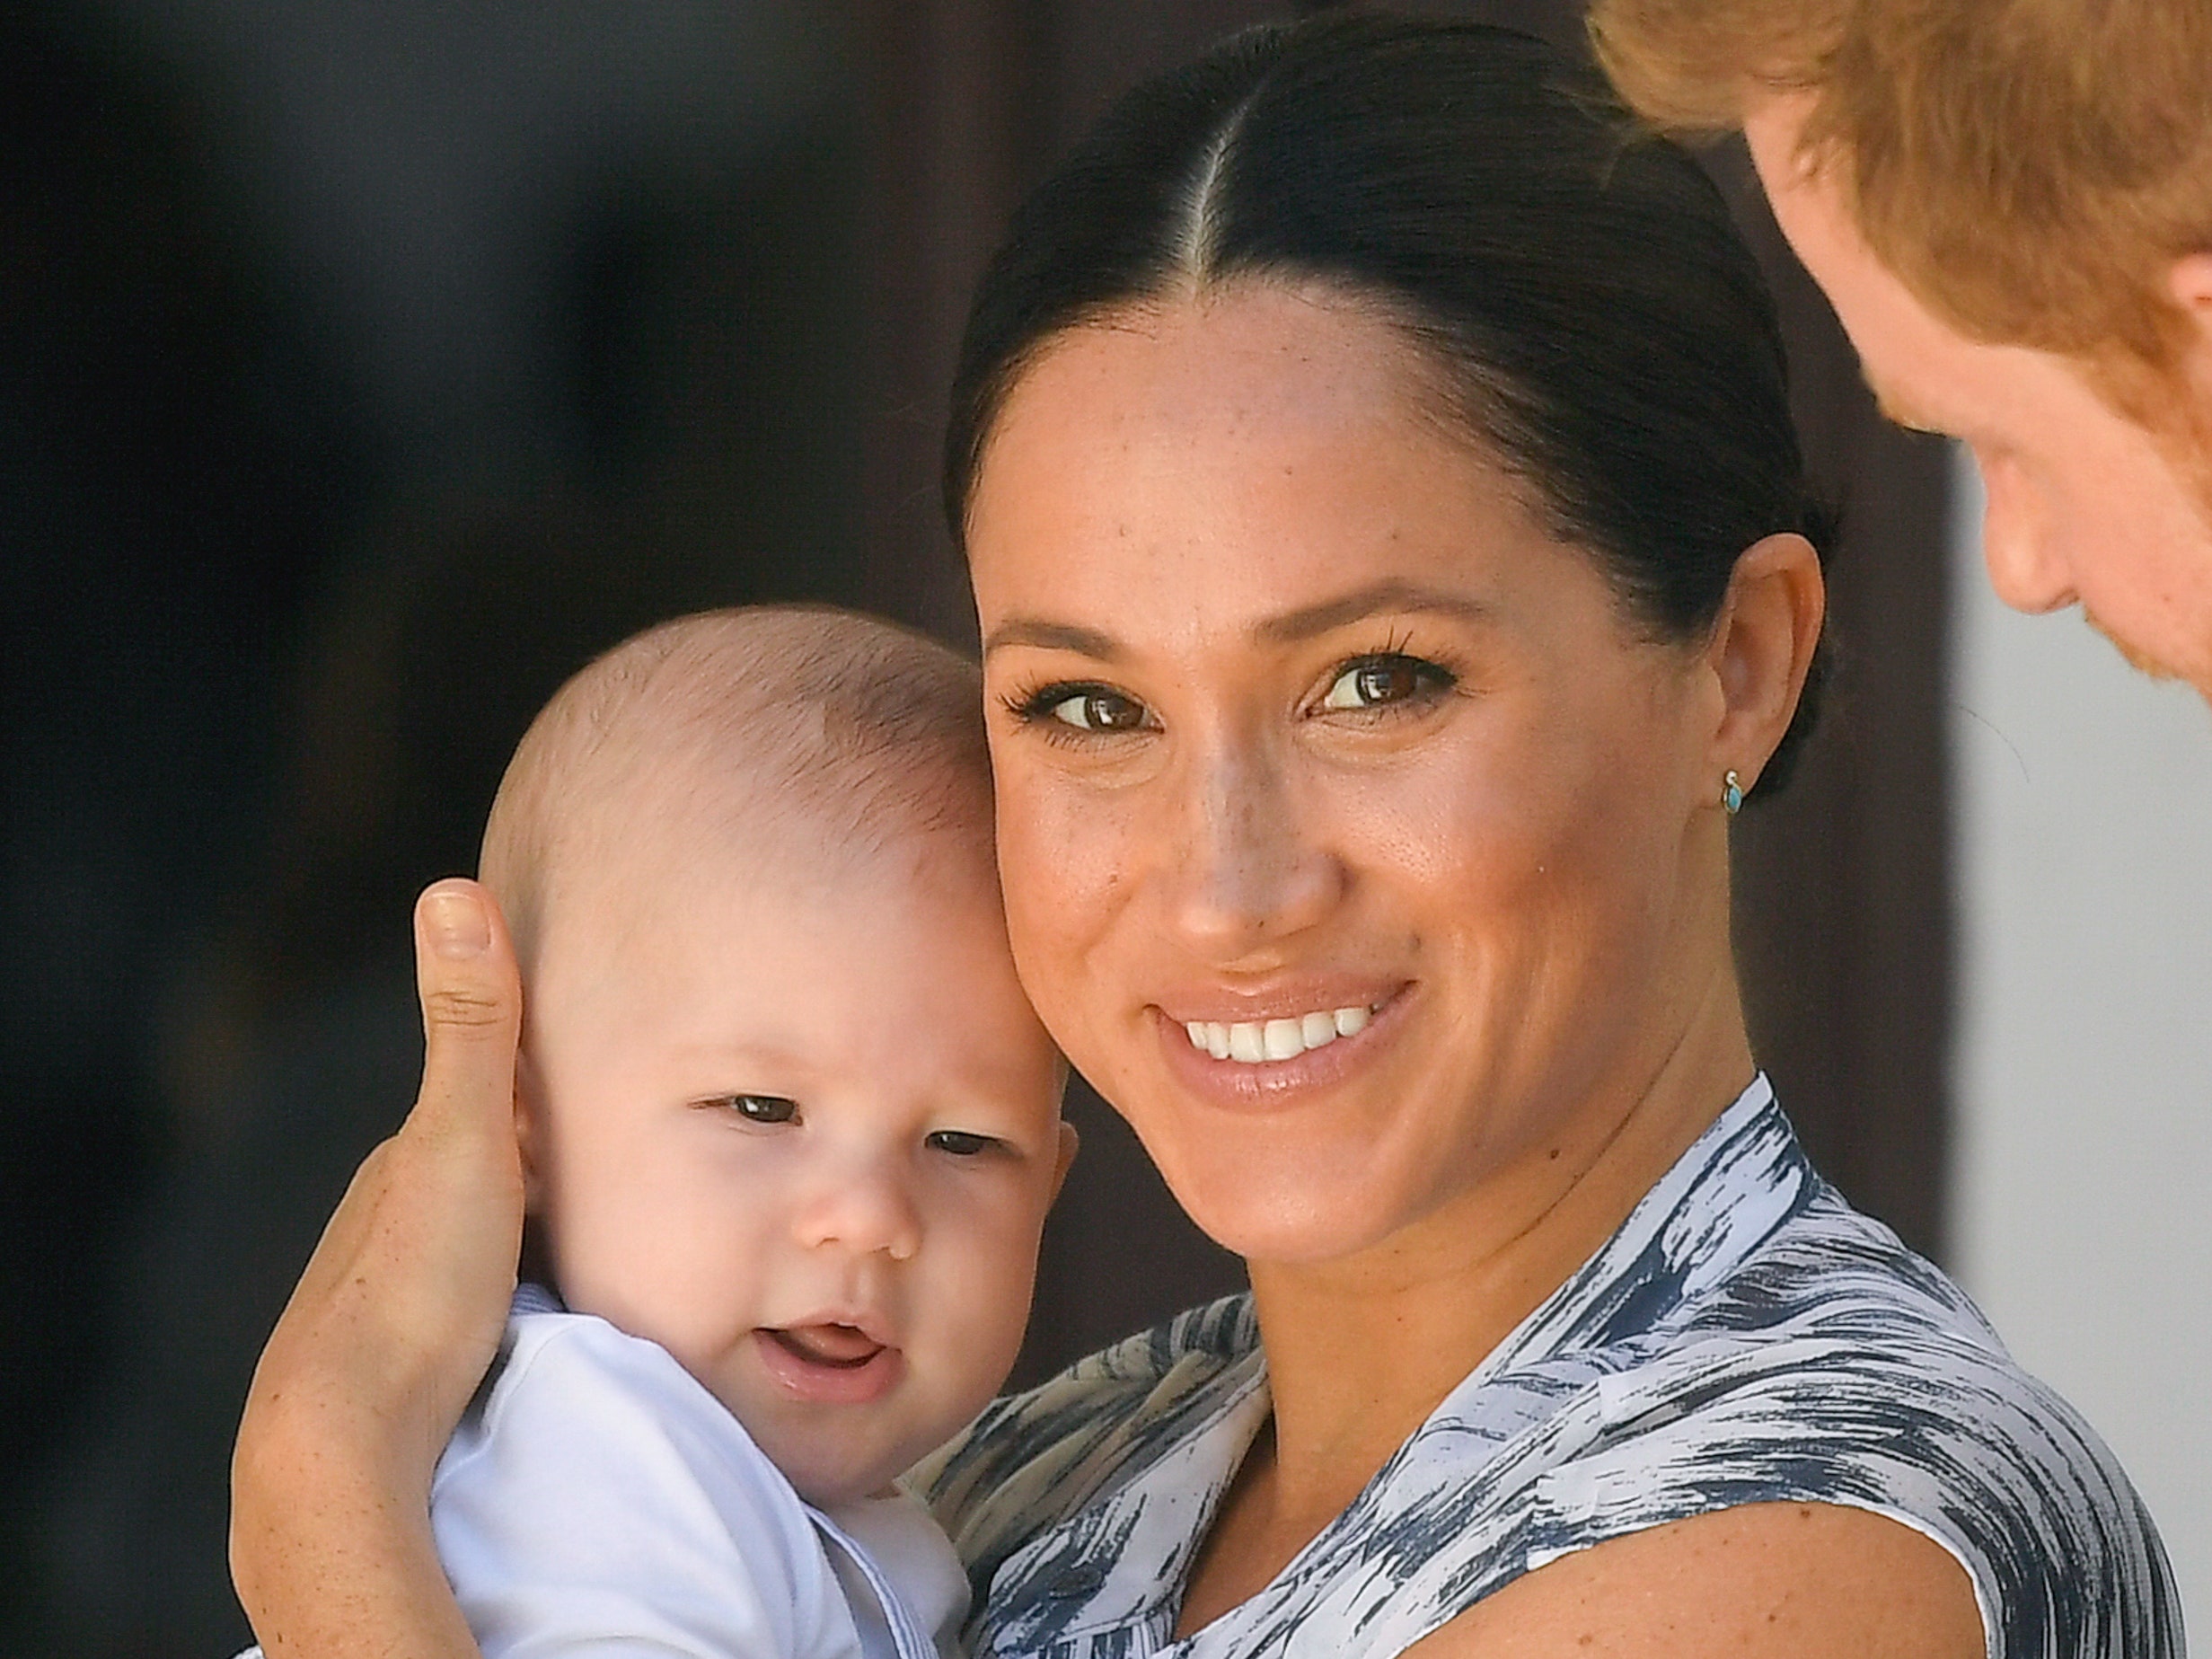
<point x="598" y="1499"/>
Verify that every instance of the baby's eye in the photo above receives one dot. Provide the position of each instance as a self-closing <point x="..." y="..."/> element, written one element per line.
<point x="1378" y="682"/>
<point x="762" y="1108"/>
<point x="960" y="1143"/>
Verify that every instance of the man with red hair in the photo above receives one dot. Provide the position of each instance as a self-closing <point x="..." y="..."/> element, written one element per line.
<point x="2009" y="203"/>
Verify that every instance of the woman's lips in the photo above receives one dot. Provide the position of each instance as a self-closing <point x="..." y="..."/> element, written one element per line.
<point x="831" y="1364"/>
<point x="1259" y="1061"/>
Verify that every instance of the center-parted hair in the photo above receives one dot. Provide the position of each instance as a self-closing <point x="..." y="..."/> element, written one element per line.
<point x="1574" y="284"/>
<point x="785" y="730"/>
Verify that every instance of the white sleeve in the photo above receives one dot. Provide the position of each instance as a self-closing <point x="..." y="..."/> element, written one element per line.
<point x="605" y="1503"/>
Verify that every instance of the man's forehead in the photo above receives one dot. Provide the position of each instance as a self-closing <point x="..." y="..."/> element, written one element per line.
<point x="1899" y="341"/>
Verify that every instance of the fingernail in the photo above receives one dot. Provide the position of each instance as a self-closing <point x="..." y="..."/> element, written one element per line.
<point x="456" y="924"/>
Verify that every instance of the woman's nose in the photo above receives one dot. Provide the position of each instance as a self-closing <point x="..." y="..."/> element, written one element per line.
<point x="864" y="1208"/>
<point x="2025" y="567"/>
<point x="1251" y="869"/>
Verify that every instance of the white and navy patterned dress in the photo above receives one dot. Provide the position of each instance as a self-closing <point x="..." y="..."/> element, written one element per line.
<point x="1745" y="1337"/>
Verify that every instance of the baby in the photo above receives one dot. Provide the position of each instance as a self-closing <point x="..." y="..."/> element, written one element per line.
<point x="791" y="1130"/>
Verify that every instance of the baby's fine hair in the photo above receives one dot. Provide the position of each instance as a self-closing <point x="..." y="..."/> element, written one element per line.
<point x="799" y="732"/>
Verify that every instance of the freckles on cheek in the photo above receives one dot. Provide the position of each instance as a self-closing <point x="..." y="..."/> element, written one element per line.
<point x="1468" y="836"/>
<point x="1065" y="866"/>
<point x="1508" y="869"/>
<point x="1067" y="877"/>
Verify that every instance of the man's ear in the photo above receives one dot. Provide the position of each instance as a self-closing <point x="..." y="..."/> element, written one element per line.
<point x="2190" y="283"/>
<point x="1068" y="1141"/>
<point x="1762" y="649"/>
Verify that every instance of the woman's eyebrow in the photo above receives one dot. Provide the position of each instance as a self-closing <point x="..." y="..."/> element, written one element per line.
<point x="1052" y="637"/>
<point x="1309" y="622"/>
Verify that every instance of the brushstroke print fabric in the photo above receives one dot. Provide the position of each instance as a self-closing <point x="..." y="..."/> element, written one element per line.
<point x="1745" y="1337"/>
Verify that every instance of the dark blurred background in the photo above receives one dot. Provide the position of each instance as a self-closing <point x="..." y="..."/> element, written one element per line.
<point x="364" y="370"/>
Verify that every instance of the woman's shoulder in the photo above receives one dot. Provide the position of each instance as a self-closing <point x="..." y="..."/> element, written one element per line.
<point x="1871" y="1343"/>
<point x="1835" y="1365"/>
<point x="1820" y="1362"/>
<point x="1754" y="1325"/>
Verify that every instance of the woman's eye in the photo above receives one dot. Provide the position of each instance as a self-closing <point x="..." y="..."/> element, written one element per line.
<point x="1377" y="682"/>
<point x="1094" y="709"/>
<point x="763" y="1108"/>
<point x="959" y="1143"/>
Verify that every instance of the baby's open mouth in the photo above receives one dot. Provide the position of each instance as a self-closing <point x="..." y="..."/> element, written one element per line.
<point x="830" y="1362"/>
<point x="844" y="1347"/>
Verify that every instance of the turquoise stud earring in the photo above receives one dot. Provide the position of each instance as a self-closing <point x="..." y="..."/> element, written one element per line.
<point x="1732" y="793"/>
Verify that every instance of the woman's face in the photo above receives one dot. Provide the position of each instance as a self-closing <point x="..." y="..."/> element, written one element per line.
<point x="1314" y="746"/>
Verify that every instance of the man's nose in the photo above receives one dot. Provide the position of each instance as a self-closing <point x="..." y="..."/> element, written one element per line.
<point x="2027" y="570"/>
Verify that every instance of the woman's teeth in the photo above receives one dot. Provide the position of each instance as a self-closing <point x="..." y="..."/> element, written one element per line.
<point x="1253" y="1041"/>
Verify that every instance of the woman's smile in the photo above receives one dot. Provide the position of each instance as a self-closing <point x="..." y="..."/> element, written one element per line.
<point x="1277" y="1061"/>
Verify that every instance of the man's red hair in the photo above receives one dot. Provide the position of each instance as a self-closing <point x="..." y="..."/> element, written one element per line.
<point x="2030" y="169"/>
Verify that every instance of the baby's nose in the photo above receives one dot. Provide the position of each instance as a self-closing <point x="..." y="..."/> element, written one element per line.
<point x="866" y="1211"/>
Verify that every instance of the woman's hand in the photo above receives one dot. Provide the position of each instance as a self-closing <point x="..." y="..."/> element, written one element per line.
<point x="391" y="1327"/>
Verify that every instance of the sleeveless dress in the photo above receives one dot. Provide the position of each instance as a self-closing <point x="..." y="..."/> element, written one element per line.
<point x="1746" y="1337"/>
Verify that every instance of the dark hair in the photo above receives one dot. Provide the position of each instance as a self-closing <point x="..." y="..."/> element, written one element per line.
<point x="1578" y="282"/>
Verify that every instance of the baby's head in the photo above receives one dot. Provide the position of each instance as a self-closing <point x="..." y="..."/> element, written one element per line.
<point x="785" y="1110"/>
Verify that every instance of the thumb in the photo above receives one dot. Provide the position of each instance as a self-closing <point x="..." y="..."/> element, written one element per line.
<point x="471" y="1012"/>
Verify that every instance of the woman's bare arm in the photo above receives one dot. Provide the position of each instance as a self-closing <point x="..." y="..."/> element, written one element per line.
<point x="1767" y="1581"/>
<point x="392" y="1324"/>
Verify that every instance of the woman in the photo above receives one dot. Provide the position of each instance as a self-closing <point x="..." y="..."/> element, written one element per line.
<point x="1394" y="568"/>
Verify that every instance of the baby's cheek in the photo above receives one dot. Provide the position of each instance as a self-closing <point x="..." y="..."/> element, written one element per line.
<point x="641" y="1269"/>
<point x="986" y="1312"/>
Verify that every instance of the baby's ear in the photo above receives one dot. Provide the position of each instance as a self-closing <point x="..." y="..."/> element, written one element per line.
<point x="1068" y="1141"/>
<point x="529" y="1133"/>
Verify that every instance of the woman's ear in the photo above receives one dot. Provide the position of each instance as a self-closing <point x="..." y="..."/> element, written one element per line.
<point x="1761" y="651"/>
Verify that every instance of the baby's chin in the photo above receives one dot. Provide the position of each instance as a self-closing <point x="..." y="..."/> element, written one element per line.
<point x="833" y="1469"/>
<point x="834" y="1488"/>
